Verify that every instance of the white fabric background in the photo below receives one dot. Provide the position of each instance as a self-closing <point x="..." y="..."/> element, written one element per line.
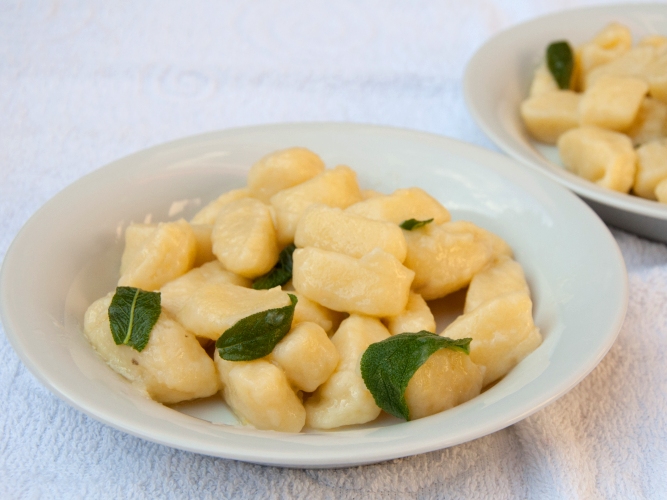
<point x="84" y="83"/>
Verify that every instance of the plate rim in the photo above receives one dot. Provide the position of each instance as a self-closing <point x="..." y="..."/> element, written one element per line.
<point x="472" y="153"/>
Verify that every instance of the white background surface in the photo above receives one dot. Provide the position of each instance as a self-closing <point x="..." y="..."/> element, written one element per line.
<point x="82" y="84"/>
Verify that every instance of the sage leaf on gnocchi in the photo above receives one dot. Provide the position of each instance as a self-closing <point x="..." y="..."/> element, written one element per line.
<point x="388" y="366"/>
<point x="560" y="61"/>
<point x="255" y="336"/>
<point x="281" y="272"/>
<point x="411" y="224"/>
<point x="132" y="315"/>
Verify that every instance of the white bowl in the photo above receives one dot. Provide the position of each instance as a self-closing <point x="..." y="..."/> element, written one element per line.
<point x="498" y="77"/>
<point x="68" y="253"/>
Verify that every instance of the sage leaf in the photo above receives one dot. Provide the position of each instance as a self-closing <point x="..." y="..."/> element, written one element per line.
<point x="560" y="60"/>
<point x="132" y="315"/>
<point x="388" y="366"/>
<point x="281" y="272"/>
<point x="255" y="336"/>
<point x="411" y="224"/>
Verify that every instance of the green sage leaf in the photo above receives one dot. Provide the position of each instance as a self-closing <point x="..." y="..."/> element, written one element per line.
<point x="388" y="366"/>
<point x="281" y="272"/>
<point x="560" y="60"/>
<point x="255" y="336"/>
<point x="132" y="315"/>
<point x="411" y="224"/>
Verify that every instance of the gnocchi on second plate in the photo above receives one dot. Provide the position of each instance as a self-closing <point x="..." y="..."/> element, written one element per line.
<point x="610" y="122"/>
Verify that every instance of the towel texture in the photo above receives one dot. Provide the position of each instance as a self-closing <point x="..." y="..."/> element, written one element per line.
<point x="85" y="82"/>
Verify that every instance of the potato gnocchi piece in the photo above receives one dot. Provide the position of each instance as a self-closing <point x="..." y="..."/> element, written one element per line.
<point x="543" y="82"/>
<point x="209" y="213"/>
<point x="656" y="76"/>
<point x="612" y="102"/>
<point x="416" y="316"/>
<point x="658" y="42"/>
<point x="213" y="308"/>
<point x="401" y="205"/>
<point x="502" y="332"/>
<point x="547" y="116"/>
<point x="370" y="193"/>
<point x="377" y="284"/>
<point x="612" y="42"/>
<point x="650" y="122"/>
<point x="335" y="188"/>
<point x="172" y="367"/>
<point x="601" y="156"/>
<point x="281" y="170"/>
<point x="503" y="277"/>
<point x="614" y="36"/>
<point x="338" y="231"/>
<point x="651" y="168"/>
<point x="344" y="399"/>
<point x="204" y="244"/>
<point x="136" y="236"/>
<point x="447" y="379"/>
<point x="244" y="238"/>
<point x="307" y="310"/>
<point x="177" y="292"/>
<point x="168" y="252"/>
<point x="661" y="191"/>
<point x="445" y="257"/>
<point x="632" y="64"/>
<point x="259" y="393"/>
<point x="307" y="356"/>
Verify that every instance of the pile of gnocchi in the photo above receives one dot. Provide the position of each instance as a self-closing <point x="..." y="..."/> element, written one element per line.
<point x="609" y="120"/>
<point x="357" y="277"/>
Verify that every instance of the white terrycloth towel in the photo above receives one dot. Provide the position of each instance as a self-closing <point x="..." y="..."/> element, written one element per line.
<point x="83" y="83"/>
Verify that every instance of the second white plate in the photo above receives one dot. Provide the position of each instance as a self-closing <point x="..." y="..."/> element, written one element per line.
<point x="498" y="77"/>
<point x="68" y="254"/>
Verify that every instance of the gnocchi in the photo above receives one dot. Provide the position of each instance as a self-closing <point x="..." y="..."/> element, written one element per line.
<point x="352" y="274"/>
<point x="616" y="102"/>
